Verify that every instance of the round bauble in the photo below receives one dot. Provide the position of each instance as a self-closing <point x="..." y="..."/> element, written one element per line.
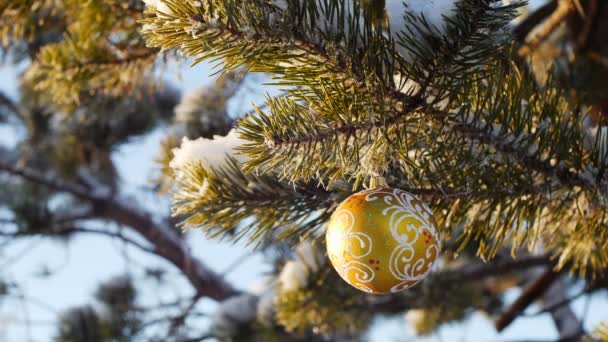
<point x="382" y="240"/>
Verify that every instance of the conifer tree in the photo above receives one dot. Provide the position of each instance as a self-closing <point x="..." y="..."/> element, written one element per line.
<point x="490" y="112"/>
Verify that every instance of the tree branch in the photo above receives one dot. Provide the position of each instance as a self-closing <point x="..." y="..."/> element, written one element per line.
<point x="529" y="295"/>
<point x="165" y="240"/>
<point x="397" y="304"/>
<point x="566" y="322"/>
<point x="556" y="305"/>
<point x="550" y="289"/>
<point x="563" y="9"/>
<point x="8" y="103"/>
<point x="522" y="30"/>
<point x="505" y="146"/>
<point x="502" y="267"/>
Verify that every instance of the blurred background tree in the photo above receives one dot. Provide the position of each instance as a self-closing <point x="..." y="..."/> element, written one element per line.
<point x="493" y="114"/>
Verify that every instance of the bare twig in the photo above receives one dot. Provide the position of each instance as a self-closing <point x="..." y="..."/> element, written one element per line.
<point x="579" y="7"/>
<point x="563" y="10"/>
<point x="235" y="264"/>
<point x="573" y="338"/>
<point x="583" y="37"/>
<point x="74" y="230"/>
<point x="198" y="339"/>
<point x="556" y="305"/>
<point x="529" y="295"/>
<point x="18" y="256"/>
<point x="522" y="30"/>
<point x="39" y="303"/>
<point x="598" y="58"/>
<point x="53" y="184"/>
<point x="566" y="322"/>
<point x="8" y="103"/>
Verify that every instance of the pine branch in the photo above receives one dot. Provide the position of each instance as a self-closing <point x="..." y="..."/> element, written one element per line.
<point x="477" y="126"/>
<point x="325" y="140"/>
<point x="108" y="63"/>
<point x="322" y="78"/>
<point x="415" y="102"/>
<point x="203" y="36"/>
<point x="75" y="80"/>
<point x="97" y="54"/>
<point x="504" y="144"/>
<point x="225" y="202"/>
<point x="601" y="331"/>
<point x="328" y="90"/>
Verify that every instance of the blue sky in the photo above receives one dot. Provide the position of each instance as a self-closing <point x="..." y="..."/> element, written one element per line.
<point x="88" y="260"/>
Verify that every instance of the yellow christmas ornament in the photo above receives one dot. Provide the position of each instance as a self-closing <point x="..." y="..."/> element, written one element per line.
<point x="382" y="240"/>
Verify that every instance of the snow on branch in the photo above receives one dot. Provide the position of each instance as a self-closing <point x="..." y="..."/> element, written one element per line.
<point x="210" y="153"/>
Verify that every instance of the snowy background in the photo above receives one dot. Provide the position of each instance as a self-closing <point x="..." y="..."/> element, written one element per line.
<point x="80" y="266"/>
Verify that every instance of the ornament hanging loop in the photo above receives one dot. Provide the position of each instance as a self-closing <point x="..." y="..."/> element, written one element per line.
<point x="377" y="182"/>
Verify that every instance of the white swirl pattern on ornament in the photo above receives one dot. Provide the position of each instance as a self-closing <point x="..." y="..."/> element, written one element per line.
<point x="401" y="208"/>
<point x="364" y="242"/>
<point x="363" y="273"/>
